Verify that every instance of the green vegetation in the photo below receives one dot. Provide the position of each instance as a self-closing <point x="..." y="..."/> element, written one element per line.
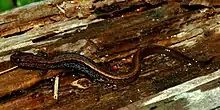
<point x="9" y="4"/>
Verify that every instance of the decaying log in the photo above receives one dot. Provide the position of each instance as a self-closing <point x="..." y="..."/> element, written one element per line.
<point x="104" y="31"/>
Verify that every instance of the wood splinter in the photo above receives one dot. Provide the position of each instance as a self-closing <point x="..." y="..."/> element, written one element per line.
<point x="56" y="87"/>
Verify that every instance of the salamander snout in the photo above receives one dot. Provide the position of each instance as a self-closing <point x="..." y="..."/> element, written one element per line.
<point x="20" y="57"/>
<point x="15" y="57"/>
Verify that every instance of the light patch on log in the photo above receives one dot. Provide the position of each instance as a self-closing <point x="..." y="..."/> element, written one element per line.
<point x="182" y="88"/>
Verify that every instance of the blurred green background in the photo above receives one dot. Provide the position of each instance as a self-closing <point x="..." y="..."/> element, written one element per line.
<point x="9" y="4"/>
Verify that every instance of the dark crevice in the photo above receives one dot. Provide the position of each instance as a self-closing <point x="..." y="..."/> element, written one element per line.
<point x="117" y="9"/>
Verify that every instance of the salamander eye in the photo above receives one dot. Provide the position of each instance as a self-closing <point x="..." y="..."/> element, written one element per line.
<point x="17" y="53"/>
<point x="18" y="60"/>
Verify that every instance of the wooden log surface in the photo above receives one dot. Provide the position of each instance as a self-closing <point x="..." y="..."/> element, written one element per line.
<point x="192" y="31"/>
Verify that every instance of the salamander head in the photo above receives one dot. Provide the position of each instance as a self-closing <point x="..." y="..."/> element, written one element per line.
<point x="18" y="58"/>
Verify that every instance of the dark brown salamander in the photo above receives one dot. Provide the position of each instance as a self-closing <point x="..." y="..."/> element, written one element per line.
<point x="72" y="61"/>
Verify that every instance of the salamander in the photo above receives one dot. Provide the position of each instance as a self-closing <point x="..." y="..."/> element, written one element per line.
<point x="71" y="61"/>
<point x="74" y="61"/>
